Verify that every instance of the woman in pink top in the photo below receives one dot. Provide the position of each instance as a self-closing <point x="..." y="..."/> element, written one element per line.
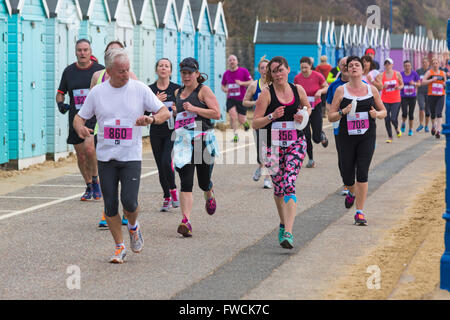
<point x="315" y="85"/>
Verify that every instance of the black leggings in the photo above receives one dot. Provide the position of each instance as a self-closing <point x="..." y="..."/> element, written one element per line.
<point x="356" y="155"/>
<point x="204" y="173"/>
<point x="128" y="173"/>
<point x="315" y="123"/>
<point x="162" y="151"/>
<point x="338" y="149"/>
<point x="436" y="104"/>
<point x="392" y="117"/>
<point x="411" y="103"/>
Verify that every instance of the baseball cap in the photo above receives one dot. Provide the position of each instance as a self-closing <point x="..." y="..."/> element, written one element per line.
<point x="189" y="64"/>
<point x="370" y="50"/>
<point x="389" y="60"/>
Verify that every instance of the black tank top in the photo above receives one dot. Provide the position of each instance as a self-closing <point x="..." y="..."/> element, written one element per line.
<point x="195" y="101"/>
<point x="289" y="111"/>
<point x="363" y="105"/>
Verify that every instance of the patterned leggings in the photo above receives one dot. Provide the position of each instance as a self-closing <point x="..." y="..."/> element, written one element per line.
<point x="283" y="164"/>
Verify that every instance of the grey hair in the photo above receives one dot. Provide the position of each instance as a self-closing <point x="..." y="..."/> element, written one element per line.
<point x="115" y="54"/>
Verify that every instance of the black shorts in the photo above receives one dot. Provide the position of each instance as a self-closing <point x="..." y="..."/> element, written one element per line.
<point x="238" y="104"/>
<point x="73" y="137"/>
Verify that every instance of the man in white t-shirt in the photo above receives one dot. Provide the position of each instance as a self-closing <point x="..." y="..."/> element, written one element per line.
<point x="119" y="105"/>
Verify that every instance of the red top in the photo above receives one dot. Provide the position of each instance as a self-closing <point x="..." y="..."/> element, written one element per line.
<point x="389" y="94"/>
<point x="311" y="85"/>
<point x="324" y="69"/>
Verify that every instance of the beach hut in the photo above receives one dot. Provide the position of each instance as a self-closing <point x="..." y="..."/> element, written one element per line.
<point x="203" y="34"/>
<point x="397" y="53"/>
<point x="186" y="30"/>
<point x="26" y="83"/>
<point x="123" y="20"/>
<point x="348" y="40"/>
<point x="324" y="43"/>
<point x="365" y="40"/>
<point x="145" y="40"/>
<point x="387" y="44"/>
<point x="61" y="33"/>
<point x="167" y="34"/>
<point x="291" y="40"/>
<point x="333" y="44"/>
<point x="94" y="26"/>
<point x="355" y="41"/>
<point x="218" y="58"/>
<point x="381" y="48"/>
<point x="5" y="12"/>
<point x="340" y="44"/>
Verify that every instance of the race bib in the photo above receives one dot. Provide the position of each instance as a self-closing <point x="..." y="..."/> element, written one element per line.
<point x="118" y="132"/>
<point x="185" y="120"/>
<point x="437" y="89"/>
<point x="391" y="85"/>
<point x="283" y="133"/>
<point x="234" y="90"/>
<point x="358" y="124"/>
<point x="409" y="90"/>
<point x="312" y="102"/>
<point x="79" y="96"/>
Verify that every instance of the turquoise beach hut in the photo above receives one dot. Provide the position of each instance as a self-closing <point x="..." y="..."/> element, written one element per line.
<point x="333" y="44"/>
<point x="186" y="30"/>
<point x="145" y="40"/>
<point x="340" y="43"/>
<point x="94" y="26"/>
<point x="167" y="34"/>
<point x="5" y="13"/>
<point x="218" y="56"/>
<point x="203" y="34"/>
<point x="61" y="33"/>
<point x="26" y="82"/>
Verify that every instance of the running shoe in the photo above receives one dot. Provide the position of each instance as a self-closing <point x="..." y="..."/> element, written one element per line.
<point x="87" y="194"/>
<point x="344" y="191"/>
<point x="119" y="255"/>
<point x="389" y="140"/>
<point x="102" y="223"/>
<point x="280" y="234"/>
<point x="324" y="139"/>
<point x="124" y="220"/>
<point x="235" y="139"/>
<point x="174" y="196"/>
<point x="136" y="239"/>
<point x="419" y="128"/>
<point x="257" y="174"/>
<point x="437" y="135"/>
<point x="246" y="126"/>
<point x="287" y="241"/>
<point x="311" y="164"/>
<point x="399" y="134"/>
<point x="410" y="132"/>
<point x="403" y="128"/>
<point x="96" y="192"/>
<point x="426" y="129"/>
<point x="360" y="219"/>
<point x="185" y="228"/>
<point x="267" y="183"/>
<point x="349" y="200"/>
<point x="433" y="131"/>
<point x="166" y="205"/>
<point x="210" y="204"/>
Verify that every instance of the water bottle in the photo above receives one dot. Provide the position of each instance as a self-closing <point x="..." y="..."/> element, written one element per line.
<point x="304" y="113"/>
<point x="353" y="109"/>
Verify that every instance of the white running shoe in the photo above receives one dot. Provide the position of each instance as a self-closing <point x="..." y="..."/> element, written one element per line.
<point x="136" y="239"/>
<point x="119" y="255"/>
<point x="257" y="174"/>
<point x="267" y="183"/>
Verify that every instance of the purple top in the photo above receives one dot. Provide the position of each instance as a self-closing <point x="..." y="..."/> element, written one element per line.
<point x="236" y="91"/>
<point x="409" y="90"/>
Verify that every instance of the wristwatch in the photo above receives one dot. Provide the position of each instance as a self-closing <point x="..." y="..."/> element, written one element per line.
<point x="153" y="117"/>
<point x="270" y="116"/>
<point x="341" y="113"/>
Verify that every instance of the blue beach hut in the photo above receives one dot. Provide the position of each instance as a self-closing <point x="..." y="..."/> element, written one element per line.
<point x="340" y="43"/>
<point x="186" y="30"/>
<point x="145" y="40"/>
<point x="218" y="56"/>
<point x="325" y="43"/>
<point x="61" y="33"/>
<point x="167" y="34"/>
<point x="291" y="40"/>
<point x="94" y="25"/>
<point x="26" y="82"/>
<point x="5" y="12"/>
<point x="348" y="40"/>
<point x="333" y="43"/>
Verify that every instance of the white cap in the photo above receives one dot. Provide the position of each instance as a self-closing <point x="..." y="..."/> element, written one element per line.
<point x="389" y="60"/>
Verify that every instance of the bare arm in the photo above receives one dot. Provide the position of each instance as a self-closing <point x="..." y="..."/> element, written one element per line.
<point x="379" y="105"/>
<point x="79" y="126"/>
<point x="207" y="97"/>
<point x="248" y="98"/>
<point x="259" y="120"/>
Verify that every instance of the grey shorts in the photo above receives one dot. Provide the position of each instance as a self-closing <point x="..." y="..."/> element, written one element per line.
<point x="128" y="173"/>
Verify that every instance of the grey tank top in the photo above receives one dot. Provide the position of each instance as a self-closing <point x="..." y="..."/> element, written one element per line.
<point x="195" y="101"/>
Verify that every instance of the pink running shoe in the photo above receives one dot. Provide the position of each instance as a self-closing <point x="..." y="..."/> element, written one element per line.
<point x="210" y="205"/>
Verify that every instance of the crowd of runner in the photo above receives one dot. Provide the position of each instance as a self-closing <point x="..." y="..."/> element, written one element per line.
<point x="109" y="106"/>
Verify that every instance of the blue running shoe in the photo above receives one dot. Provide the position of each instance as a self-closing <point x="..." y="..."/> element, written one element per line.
<point x="403" y="127"/>
<point x="426" y="129"/>
<point x="124" y="221"/>
<point x="96" y="192"/>
<point x="419" y="128"/>
<point x="280" y="234"/>
<point x="287" y="241"/>
<point x="102" y="223"/>
<point x="410" y="132"/>
<point x="88" y="193"/>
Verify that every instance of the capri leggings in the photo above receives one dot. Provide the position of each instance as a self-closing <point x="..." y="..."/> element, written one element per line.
<point x="162" y="150"/>
<point x="392" y="116"/>
<point x="423" y="104"/>
<point x="436" y="104"/>
<point x="290" y="160"/>
<point x="356" y="156"/>
<point x="408" y="106"/>
<point x="204" y="173"/>
<point x="128" y="173"/>
<point x="314" y="125"/>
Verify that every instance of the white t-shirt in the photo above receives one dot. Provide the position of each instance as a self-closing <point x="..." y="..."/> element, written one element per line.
<point x="117" y="110"/>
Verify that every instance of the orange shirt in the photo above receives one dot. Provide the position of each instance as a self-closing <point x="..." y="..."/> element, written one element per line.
<point x="390" y="94"/>
<point x="436" y="88"/>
